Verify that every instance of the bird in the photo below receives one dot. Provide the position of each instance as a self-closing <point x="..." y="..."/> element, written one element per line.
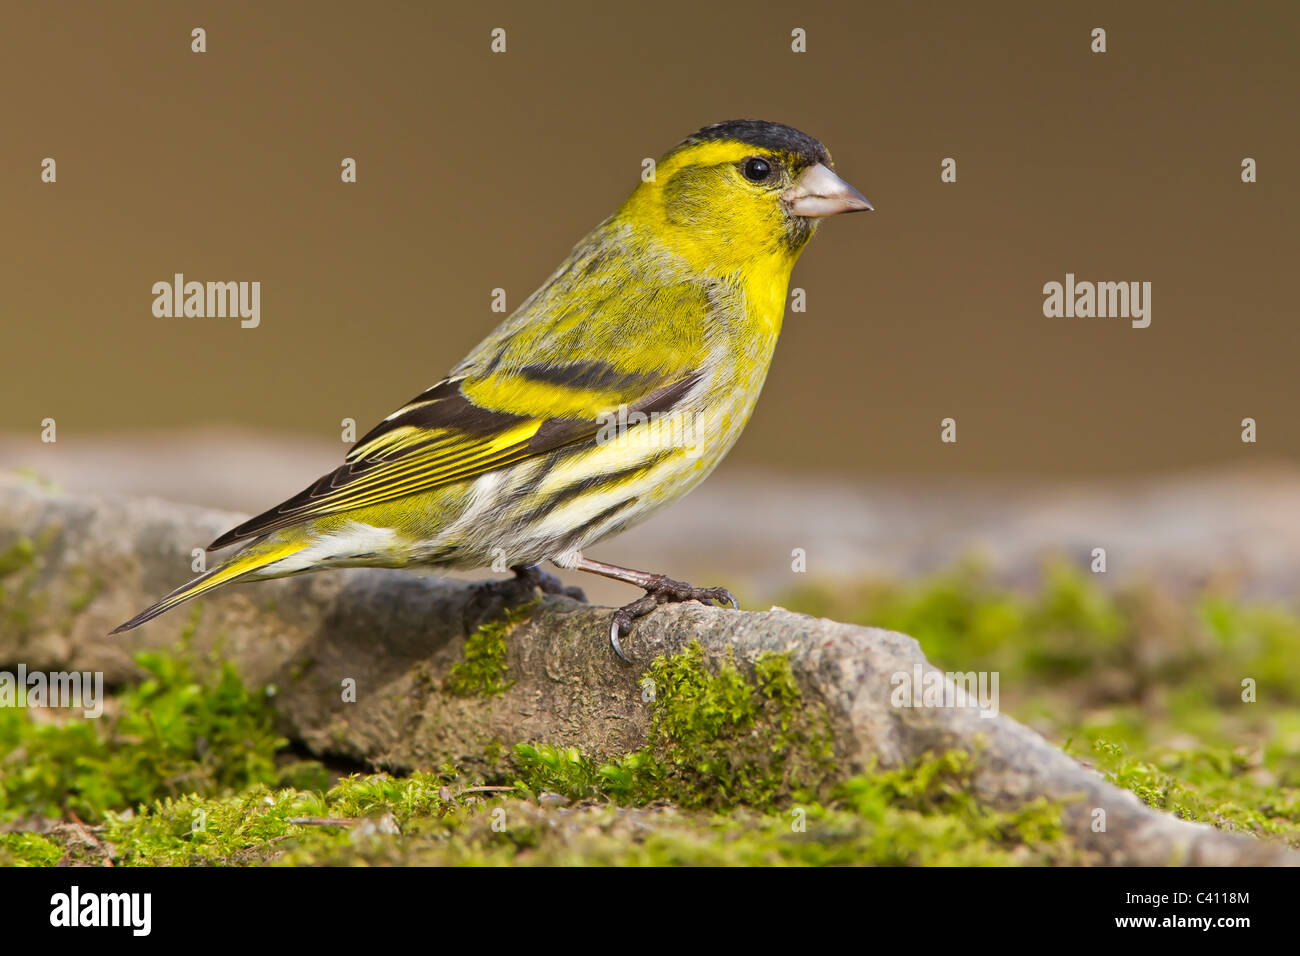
<point x="609" y="393"/>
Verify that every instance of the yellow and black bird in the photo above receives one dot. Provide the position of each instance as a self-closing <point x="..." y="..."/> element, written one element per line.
<point x="611" y="392"/>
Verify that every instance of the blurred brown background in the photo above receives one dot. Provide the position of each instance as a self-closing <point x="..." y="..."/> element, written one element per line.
<point x="479" y="170"/>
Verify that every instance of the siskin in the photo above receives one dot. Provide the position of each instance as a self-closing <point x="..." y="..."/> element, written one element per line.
<point x="611" y="392"/>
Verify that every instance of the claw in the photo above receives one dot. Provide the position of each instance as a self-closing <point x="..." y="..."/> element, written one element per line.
<point x="666" y="592"/>
<point x="613" y="641"/>
<point x="715" y="597"/>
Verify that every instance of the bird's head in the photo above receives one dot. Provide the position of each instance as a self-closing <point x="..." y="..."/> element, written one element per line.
<point x="742" y="190"/>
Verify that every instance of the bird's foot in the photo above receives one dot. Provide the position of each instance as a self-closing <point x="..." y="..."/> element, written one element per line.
<point x="547" y="583"/>
<point x="663" y="590"/>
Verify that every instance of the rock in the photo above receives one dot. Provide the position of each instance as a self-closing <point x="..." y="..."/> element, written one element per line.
<point x="1228" y="524"/>
<point x="75" y="566"/>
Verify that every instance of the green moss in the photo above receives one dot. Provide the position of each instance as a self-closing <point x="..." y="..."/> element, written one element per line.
<point x="1074" y="634"/>
<point x="172" y="734"/>
<point x="750" y="732"/>
<point x="914" y="815"/>
<point x="1068" y="627"/>
<point x="28" y="849"/>
<point x="419" y="794"/>
<point x="718" y="738"/>
<point x="1228" y="788"/>
<point x="1261" y="641"/>
<point x="484" y="668"/>
<point x="924" y="813"/>
<point x="737" y="767"/>
<point x="542" y="768"/>
<point x="1147" y="685"/>
<point x="21" y="601"/>
<point x="17" y="556"/>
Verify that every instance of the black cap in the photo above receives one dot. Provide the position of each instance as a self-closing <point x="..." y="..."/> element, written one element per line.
<point x="764" y="135"/>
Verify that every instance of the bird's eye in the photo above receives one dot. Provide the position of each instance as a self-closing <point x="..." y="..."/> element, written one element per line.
<point x="755" y="169"/>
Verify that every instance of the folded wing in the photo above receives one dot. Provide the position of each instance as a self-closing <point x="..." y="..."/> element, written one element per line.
<point x="469" y="425"/>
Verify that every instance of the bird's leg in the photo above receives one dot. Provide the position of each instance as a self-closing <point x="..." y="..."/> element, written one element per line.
<point x="659" y="588"/>
<point x="547" y="583"/>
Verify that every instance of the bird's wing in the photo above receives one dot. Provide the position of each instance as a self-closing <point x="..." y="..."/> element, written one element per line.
<point x="470" y="424"/>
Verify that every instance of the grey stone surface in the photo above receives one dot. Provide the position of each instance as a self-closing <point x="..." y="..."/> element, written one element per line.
<point x="96" y="561"/>
<point x="739" y="527"/>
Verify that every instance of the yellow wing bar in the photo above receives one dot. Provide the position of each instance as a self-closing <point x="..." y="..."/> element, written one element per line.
<point x="440" y="437"/>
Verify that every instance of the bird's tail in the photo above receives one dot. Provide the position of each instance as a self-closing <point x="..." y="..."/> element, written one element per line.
<point x="247" y="561"/>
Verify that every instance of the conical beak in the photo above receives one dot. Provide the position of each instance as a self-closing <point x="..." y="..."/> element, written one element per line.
<point x="819" y="192"/>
